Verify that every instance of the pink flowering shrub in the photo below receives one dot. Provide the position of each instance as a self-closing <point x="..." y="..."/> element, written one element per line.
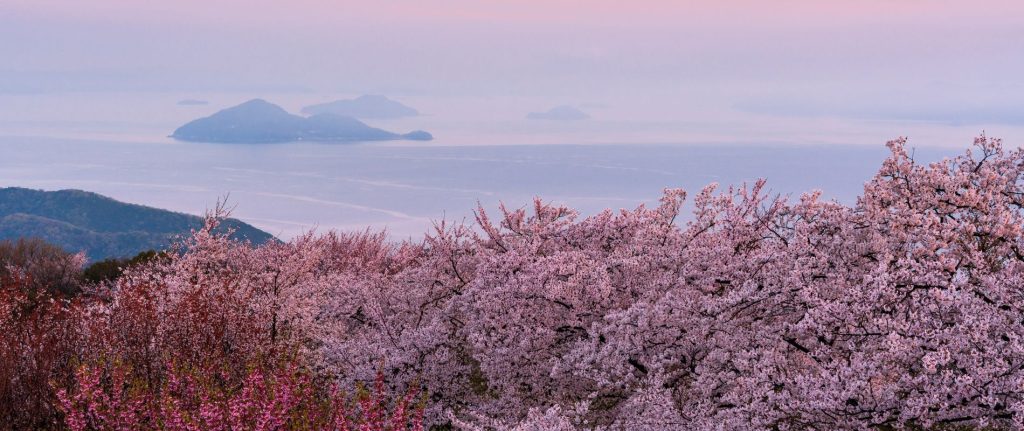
<point x="41" y="334"/>
<point x="901" y="310"/>
<point x="275" y="399"/>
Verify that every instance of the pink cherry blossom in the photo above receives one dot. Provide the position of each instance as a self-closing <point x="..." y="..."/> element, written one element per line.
<point x="745" y="311"/>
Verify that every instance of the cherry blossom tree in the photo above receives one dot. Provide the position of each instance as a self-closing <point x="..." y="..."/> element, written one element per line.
<point x="746" y="311"/>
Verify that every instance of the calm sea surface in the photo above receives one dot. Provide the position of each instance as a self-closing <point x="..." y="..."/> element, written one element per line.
<point x="485" y="153"/>
<point x="289" y="188"/>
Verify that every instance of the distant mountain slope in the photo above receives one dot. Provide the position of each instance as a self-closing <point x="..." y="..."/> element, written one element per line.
<point x="103" y="227"/>
<point x="259" y="121"/>
<point x="369" y="106"/>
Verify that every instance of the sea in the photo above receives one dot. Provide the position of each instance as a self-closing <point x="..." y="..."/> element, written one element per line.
<point x="484" y="154"/>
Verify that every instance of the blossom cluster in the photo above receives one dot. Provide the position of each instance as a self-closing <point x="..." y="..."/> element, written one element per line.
<point x="283" y="398"/>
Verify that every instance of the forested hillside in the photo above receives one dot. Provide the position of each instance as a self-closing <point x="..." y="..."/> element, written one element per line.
<point x="100" y="226"/>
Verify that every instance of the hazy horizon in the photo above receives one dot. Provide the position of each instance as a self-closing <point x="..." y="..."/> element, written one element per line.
<point x="732" y="71"/>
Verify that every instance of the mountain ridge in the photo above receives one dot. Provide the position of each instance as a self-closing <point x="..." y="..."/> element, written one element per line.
<point x="103" y="227"/>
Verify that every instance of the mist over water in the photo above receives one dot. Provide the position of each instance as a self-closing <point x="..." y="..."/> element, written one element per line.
<point x="485" y="151"/>
<point x="287" y="189"/>
<point x="117" y="146"/>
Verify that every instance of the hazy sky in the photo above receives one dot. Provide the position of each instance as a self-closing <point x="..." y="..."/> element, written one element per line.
<point x="956" y="62"/>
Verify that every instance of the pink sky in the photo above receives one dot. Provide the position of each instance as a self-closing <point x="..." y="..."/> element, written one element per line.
<point x="919" y="59"/>
<point x="564" y="12"/>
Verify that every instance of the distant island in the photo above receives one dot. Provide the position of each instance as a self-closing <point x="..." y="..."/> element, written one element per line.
<point x="259" y="121"/>
<point x="559" y="113"/>
<point x="366" y="107"/>
<point x="100" y="226"/>
<point x="192" y="102"/>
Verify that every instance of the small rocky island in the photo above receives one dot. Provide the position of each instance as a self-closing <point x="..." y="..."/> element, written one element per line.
<point x="366" y="107"/>
<point x="259" y="121"/>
